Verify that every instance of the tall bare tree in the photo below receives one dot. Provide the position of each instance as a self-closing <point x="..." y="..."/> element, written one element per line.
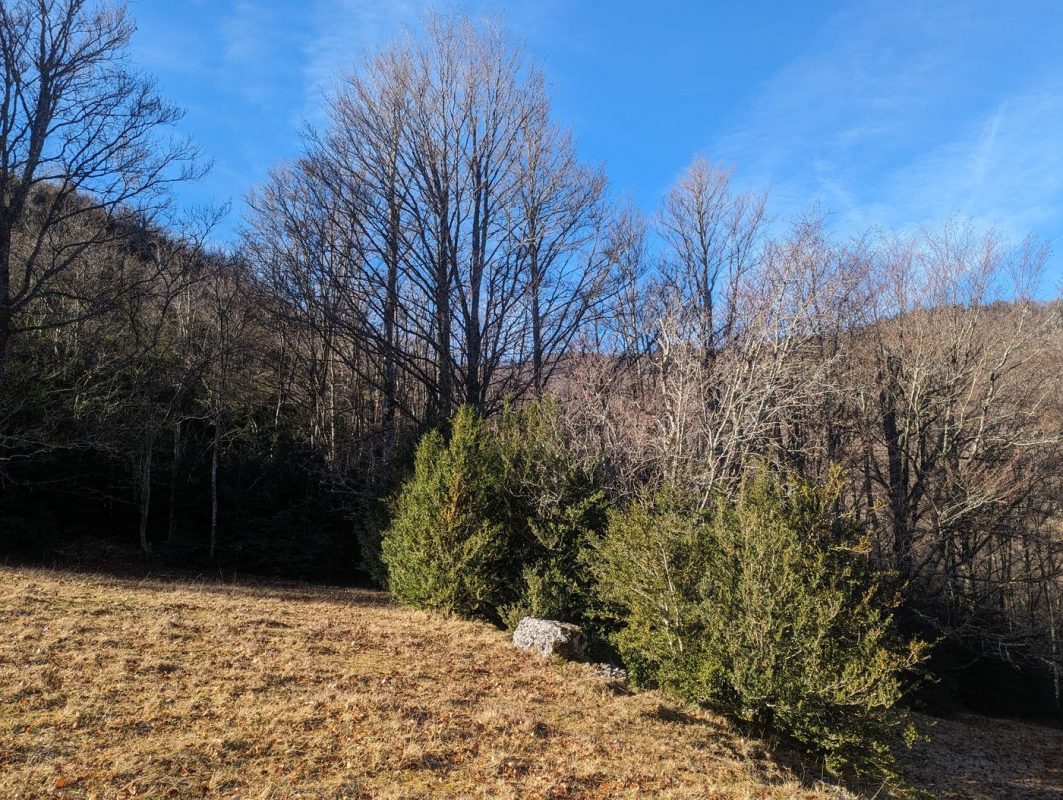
<point x="452" y="230"/>
<point x="79" y="139"/>
<point x="560" y="234"/>
<point x="960" y="443"/>
<point x="714" y="236"/>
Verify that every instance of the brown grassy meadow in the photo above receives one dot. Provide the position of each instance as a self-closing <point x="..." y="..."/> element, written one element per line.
<point x="115" y="688"/>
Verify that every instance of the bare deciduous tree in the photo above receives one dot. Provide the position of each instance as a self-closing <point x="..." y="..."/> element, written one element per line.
<point x="714" y="238"/>
<point x="78" y="141"/>
<point x="959" y="448"/>
<point x="452" y="233"/>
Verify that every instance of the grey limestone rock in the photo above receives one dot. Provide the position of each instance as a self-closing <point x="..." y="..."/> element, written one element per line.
<point x="548" y="637"/>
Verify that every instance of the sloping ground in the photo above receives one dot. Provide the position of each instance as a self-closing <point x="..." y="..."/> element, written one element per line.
<point x="112" y="688"/>
<point x="977" y="758"/>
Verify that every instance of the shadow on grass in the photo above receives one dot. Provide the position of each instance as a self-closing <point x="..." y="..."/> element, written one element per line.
<point x="788" y="761"/>
<point x="971" y="757"/>
<point x="150" y="576"/>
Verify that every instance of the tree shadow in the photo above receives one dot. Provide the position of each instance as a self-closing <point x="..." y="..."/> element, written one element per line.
<point x="744" y="742"/>
<point x="147" y="576"/>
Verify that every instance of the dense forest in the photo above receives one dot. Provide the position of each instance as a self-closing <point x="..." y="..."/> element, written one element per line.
<point x="439" y="248"/>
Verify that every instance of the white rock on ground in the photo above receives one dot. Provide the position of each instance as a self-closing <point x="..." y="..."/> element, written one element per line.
<point x="548" y="637"/>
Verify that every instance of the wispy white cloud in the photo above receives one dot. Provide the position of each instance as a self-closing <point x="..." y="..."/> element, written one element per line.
<point x="899" y="114"/>
<point x="1005" y="171"/>
<point x="890" y="112"/>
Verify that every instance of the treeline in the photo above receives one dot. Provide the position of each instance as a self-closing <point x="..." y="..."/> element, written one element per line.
<point x="140" y="377"/>
<point x="440" y="245"/>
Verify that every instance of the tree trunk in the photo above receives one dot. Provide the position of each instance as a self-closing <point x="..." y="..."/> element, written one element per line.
<point x="145" y="489"/>
<point x="214" y="486"/>
<point x="473" y="331"/>
<point x="445" y="399"/>
<point x="897" y="474"/>
<point x="172" y="529"/>
<point x="391" y="303"/>
<point x="5" y="338"/>
<point x="5" y="297"/>
<point x="537" y="331"/>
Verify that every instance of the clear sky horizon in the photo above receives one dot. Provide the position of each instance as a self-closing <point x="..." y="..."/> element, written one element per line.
<point x="885" y="114"/>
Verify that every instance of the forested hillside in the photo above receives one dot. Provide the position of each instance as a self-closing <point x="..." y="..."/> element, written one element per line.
<point x="439" y="252"/>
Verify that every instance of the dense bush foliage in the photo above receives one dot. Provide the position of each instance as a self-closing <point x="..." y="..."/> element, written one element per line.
<point x="765" y="605"/>
<point x="766" y="608"/>
<point x="555" y="504"/>
<point x="444" y="549"/>
<point x="492" y="522"/>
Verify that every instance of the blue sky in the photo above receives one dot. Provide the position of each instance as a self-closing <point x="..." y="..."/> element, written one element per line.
<point x="888" y="113"/>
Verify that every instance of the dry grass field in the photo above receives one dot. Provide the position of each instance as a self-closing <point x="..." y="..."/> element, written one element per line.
<point x="116" y="688"/>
